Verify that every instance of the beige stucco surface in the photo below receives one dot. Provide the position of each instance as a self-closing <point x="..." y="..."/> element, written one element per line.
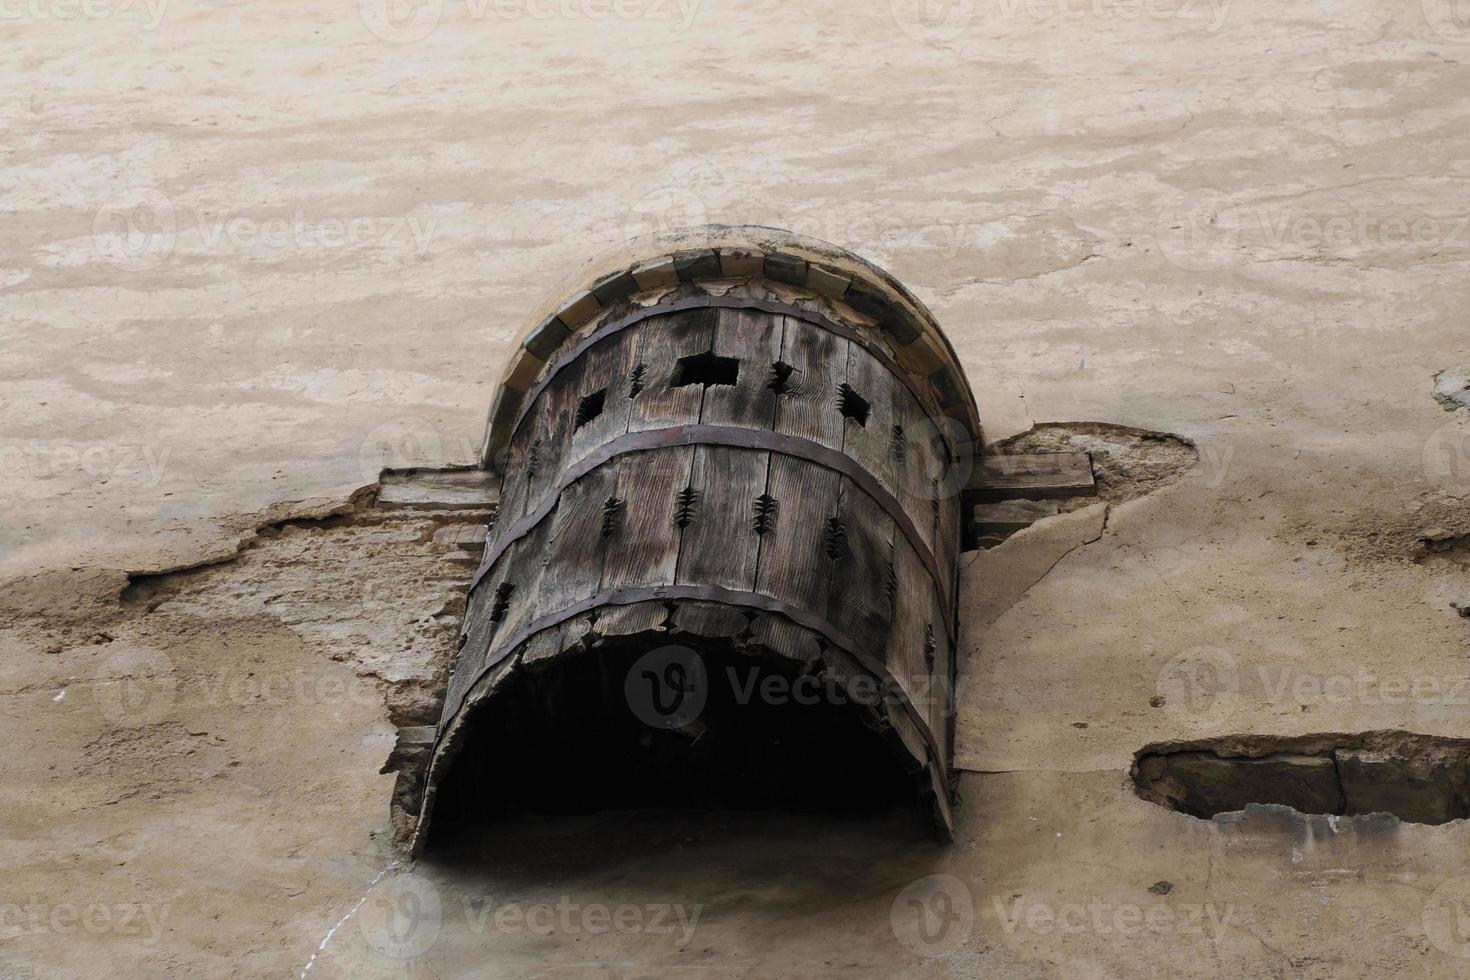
<point x="252" y="252"/>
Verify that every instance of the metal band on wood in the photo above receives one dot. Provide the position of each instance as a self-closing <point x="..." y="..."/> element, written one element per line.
<point x="768" y="470"/>
<point x="721" y="435"/>
<point x="706" y="593"/>
<point x="721" y="303"/>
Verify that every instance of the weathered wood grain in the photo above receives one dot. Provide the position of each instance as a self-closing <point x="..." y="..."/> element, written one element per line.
<point x="710" y="619"/>
<point x="550" y="445"/>
<point x="662" y="342"/>
<point x="871" y="442"/>
<point x="643" y="548"/>
<point x="914" y="609"/>
<point x="808" y="405"/>
<point x="857" y="603"/>
<point x="1035" y="475"/>
<point x="1010" y="515"/>
<point x="755" y="339"/>
<point x="720" y="546"/>
<point x="792" y="565"/>
<point x="520" y="568"/>
<point x="577" y="541"/>
<point x="632" y="619"/>
<point x="771" y="527"/>
<point x="609" y="372"/>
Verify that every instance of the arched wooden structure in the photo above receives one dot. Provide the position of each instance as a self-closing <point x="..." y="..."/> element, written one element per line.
<point x="732" y="438"/>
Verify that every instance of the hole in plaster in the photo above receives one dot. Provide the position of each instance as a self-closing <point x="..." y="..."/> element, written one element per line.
<point x="1122" y="463"/>
<point x="1452" y="388"/>
<point x="1126" y="462"/>
<point x="706" y="369"/>
<point x="1416" y="778"/>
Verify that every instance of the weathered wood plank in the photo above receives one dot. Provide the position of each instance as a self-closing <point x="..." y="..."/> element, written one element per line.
<point x="912" y="624"/>
<point x="443" y="489"/>
<point x="792" y="565"/>
<point x="907" y="731"/>
<point x="869" y="440"/>
<point x="950" y="535"/>
<point x="632" y="618"/>
<point x="1033" y="475"/>
<point x="783" y="636"/>
<point x="603" y="399"/>
<point x="515" y="583"/>
<point x="542" y="648"/>
<point x="517" y="484"/>
<point x="577" y="542"/>
<point x="662" y="342"/>
<point x="550" y="445"/>
<point x="643" y="544"/>
<point x="1010" y="515"/>
<point x="719" y="546"/>
<point x="923" y="469"/>
<point x="808" y="403"/>
<point x="754" y="338"/>
<point x="858" y="601"/>
<point x="710" y="619"/>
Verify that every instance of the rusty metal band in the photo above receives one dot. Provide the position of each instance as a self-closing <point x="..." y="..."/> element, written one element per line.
<point x="722" y="303"/>
<point x="724" y="435"/>
<point x="706" y="593"/>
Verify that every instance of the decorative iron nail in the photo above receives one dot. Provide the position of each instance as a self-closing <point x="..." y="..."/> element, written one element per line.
<point x="687" y="501"/>
<point x="501" y="601"/>
<point x="765" y="513"/>
<point x="836" y="538"/>
<point x="612" y="516"/>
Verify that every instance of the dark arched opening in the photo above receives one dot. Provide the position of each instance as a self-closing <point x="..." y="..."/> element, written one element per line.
<point x="570" y="736"/>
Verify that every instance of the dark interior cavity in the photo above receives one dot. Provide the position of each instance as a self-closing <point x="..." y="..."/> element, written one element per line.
<point x="590" y="407"/>
<point x="852" y="405"/>
<point x="565" y="739"/>
<point x="706" y="369"/>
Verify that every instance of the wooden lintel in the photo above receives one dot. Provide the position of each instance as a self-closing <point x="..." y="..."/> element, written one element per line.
<point x="1011" y="515"/>
<point x="1032" y="476"/>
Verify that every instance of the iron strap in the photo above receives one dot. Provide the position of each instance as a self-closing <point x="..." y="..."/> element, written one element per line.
<point x="722" y="303"/>
<point x="723" y="435"/>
